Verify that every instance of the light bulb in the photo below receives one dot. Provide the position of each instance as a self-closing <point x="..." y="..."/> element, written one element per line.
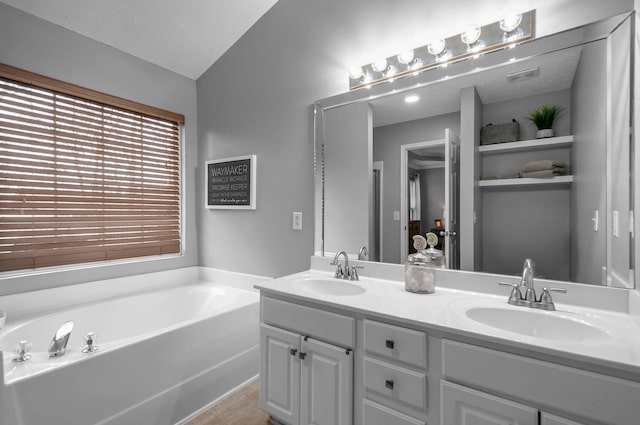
<point x="379" y="65"/>
<point x="471" y="35"/>
<point x="406" y="56"/>
<point x="412" y="98"/>
<point x="510" y="20"/>
<point x="436" y="47"/>
<point x="356" y="73"/>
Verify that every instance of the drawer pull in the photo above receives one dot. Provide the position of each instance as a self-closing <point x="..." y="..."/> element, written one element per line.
<point x="389" y="344"/>
<point x="292" y="351"/>
<point x="389" y="384"/>
<point x="302" y="355"/>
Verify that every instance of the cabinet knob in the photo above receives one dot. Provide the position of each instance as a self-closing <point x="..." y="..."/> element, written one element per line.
<point x="292" y="351"/>
<point x="302" y="355"/>
<point x="389" y="384"/>
<point x="389" y="344"/>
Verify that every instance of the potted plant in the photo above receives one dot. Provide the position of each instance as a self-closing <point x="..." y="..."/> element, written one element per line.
<point x="543" y="118"/>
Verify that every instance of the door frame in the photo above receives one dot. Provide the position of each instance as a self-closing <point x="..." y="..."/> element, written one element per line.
<point x="404" y="183"/>
<point x="379" y="165"/>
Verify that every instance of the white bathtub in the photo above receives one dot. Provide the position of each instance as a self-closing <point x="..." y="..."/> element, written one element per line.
<point x="163" y="355"/>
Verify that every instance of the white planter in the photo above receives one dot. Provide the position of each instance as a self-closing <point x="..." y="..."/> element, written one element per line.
<point x="547" y="132"/>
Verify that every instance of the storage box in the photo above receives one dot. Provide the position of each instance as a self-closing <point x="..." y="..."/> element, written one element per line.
<point x="500" y="133"/>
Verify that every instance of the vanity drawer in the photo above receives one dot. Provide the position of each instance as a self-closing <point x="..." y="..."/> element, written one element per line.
<point x="376" y="414"/>
<point x="579" y="392"/>
<point x="323" y="325"/>
<point x="396" y="343"/>
<point x="396" y="383"/>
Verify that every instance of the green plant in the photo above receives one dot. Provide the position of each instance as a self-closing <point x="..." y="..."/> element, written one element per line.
<point x="544" y="116"/>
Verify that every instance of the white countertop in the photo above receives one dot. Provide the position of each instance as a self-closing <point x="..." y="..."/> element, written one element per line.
<point x="617" y="347"/>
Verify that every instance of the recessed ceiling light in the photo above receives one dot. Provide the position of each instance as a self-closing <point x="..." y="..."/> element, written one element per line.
<point x="412" y="98"/>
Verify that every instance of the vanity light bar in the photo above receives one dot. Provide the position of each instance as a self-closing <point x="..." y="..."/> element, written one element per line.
<point x="491" y="37"/>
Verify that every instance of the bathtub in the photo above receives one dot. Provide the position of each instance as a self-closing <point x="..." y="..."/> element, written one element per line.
<point x="164" y="354"/>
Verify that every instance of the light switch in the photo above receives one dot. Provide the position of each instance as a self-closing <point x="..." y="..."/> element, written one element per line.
<point x="297" y="220"/>
<point x="396" y="215"/>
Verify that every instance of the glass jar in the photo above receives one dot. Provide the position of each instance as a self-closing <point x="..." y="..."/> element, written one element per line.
<point x="420" y="271"/>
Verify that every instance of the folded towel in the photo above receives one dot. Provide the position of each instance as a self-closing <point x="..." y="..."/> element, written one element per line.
<point x="543" y="164"/>
<point x="541" y="174"/>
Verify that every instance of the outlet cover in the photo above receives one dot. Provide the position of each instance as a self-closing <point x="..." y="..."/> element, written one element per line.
<point x="297" y="220"/>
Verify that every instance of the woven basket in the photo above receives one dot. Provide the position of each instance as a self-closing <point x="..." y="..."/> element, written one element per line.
<point x="500" y="133"/>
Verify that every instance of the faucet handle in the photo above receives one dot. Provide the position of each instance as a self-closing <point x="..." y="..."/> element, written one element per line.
<point x="354" y="272"/>
<point x="21" y="350"/>
<point x="339" y="272"/>
<point x="516" y="297"/>
<point x="546" y="302"/>
<point x="90" y="339"/>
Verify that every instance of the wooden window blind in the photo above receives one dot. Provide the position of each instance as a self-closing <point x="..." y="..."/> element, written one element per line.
<point x="82" y="180"/>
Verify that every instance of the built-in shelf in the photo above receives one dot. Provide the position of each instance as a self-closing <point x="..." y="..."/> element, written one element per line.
<point x="526" y="181"/>
<point x="527" y="145"/>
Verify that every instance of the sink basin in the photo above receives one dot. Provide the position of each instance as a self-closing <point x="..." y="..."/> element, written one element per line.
<point x="560" y="326"/>
<point x="329" y="287"/>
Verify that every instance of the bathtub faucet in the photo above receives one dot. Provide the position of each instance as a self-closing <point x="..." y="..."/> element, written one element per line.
<point x="58" y="344"/>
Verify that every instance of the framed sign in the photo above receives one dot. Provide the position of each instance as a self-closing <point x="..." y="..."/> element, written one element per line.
<point x="231" y="183"/>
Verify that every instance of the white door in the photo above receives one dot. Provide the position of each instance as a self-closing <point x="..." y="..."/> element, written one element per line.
<point x="451" y="200"/>
<point x="549" y="419"/>
<point x="280" y="373"/>
<point x="464" y="406"/>
<point x="326" y="384"/>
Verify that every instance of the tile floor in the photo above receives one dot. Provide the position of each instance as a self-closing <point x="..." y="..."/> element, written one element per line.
<point x="240" y="408"/>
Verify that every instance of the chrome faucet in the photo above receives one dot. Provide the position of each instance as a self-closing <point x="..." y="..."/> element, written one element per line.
<point x="363" y="254"/>
<point x="527" y="281"/>
<point x="58" y="344"/>
<point x="529" y="298"/>
<point x="341" y="273"/>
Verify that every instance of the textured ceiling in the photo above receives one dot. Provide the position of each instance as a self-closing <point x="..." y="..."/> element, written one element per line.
<point x="186" y="37"/>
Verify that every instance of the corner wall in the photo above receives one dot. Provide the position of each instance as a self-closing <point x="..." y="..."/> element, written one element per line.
<point x="257" y="99"/>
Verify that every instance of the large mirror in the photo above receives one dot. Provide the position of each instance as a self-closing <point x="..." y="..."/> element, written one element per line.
<point x="388" y="168"/>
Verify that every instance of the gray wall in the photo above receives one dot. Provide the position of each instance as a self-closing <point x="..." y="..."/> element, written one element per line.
<point x="470" y="233"/>
<point x="386" y="147"/>
<point x="589" y="155"/>
<point x="432" y="188"/>
<point x="519" y="223"/>
<point x="257" y="99"/>
<point x="349" y="174"/>
<point x="38" y="46"/>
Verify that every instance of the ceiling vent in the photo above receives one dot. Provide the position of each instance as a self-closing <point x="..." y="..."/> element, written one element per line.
<point x="523" y="75"/>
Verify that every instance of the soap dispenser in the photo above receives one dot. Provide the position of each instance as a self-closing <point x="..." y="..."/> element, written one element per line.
<point x="420" y="268"/>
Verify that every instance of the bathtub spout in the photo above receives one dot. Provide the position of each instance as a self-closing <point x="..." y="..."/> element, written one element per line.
<point x="58" y="344"/>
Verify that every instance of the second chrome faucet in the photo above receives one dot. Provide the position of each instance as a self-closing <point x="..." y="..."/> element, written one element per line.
<point x="529" y="299"/>
<point x="345" y="272"/>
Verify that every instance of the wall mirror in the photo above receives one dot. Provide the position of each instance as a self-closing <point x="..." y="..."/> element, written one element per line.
<point x="383" y="165"/>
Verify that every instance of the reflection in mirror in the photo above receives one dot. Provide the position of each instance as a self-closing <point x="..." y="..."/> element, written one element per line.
<point x="574" y="222"/>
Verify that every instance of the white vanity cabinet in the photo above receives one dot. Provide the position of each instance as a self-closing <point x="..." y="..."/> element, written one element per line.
<point x="306" y="369"/>
<point x="537" y="386"/>
<point x="465" y="406"/>
<point x="394" y="375"/>
<point x="322" y="364"/>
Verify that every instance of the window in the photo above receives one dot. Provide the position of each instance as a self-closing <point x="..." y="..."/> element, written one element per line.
<point x="84" y="176"/>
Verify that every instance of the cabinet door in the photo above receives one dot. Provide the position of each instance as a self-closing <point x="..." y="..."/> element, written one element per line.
<point x="326" y="384"/>
<point x="549" y="419"/>
<point x="464" y="406"/>
<point x="280" y="373"/>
